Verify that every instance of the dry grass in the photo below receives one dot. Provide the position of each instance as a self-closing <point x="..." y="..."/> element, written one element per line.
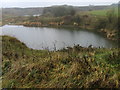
<point x="75" y="67"/>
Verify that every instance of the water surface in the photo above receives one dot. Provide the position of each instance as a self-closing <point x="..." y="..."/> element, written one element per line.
<point x="49" y="38"/>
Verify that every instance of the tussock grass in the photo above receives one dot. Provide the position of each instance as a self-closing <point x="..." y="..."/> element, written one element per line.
<point x="76" y="67"/>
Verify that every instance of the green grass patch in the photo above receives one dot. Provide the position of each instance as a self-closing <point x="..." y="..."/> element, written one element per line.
<point x="103" y="12"/>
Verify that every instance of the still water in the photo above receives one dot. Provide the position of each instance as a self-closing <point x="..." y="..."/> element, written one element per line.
<point x="49" y="38"/>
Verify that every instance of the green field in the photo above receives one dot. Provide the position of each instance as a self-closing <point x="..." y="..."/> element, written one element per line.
<point x="103" y="12"/>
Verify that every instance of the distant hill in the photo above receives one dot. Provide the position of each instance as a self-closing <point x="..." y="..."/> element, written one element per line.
<point x="116" y="4"/>
<point x="22" y="11"/>
<point x="82" y="8"/>
<point x="91" y="7"/>
<point x="39" y="10"/>
<point x="67" y="10"/>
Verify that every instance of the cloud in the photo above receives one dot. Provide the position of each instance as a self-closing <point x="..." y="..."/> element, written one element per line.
<point x="60" y="1"/>
<point x="45" y="3"/>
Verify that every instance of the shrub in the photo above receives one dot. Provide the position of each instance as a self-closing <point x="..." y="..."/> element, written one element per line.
<point x="101" y="23"/>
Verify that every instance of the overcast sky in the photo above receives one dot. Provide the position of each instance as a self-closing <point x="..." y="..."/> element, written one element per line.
<point x="45" y="3"/>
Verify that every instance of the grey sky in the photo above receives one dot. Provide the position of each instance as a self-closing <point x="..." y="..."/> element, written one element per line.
<point x="45" y="3"/>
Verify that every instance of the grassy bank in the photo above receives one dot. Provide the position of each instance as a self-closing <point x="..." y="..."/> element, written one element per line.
<point x="72" y="67"/>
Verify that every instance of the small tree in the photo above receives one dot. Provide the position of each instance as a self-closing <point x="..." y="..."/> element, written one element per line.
<point x="72" y="12"/>
<point x="112" y="19"/>
<point x="111" y="15"/>
<point x="101" y="23"/>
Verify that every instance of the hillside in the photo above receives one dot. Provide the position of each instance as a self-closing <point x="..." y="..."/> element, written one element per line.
<point x="76" y="67"/>
<point x="104" y="11"/>
<point x="39" y="10"/>
<point x="21" y="11"/>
